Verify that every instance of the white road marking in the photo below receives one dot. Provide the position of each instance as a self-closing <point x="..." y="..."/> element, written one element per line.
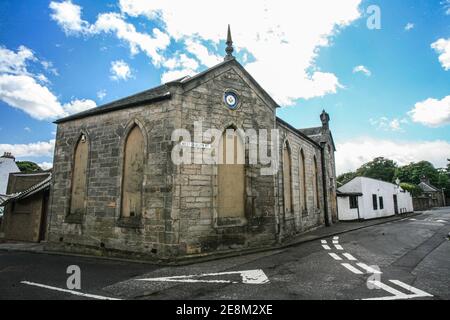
<point x="338" y="246"/>
<point x="324" y="241"/>
<point x="349" y="256"/>
<point x="397" y="295"/>
<point x="335" y="256"/>
<point x="412" y="219"/>
<point x="326" y="247"/>
<point x="248" y="277"/>
<point x="351" y="268"/>
<point x="335" y="241"/>
<point x="442" y="221"/>
<point x="335" y="238"/>
<point x="380" y="285"/>
<point x="76" y="293"/>
<point x="368" y="269"/>
<point x="416" y="291"/>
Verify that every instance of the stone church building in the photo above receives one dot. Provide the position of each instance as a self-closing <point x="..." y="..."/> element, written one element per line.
<point x="117" y="192"/>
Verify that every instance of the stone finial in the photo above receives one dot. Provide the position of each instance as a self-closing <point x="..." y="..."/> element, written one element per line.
<point x="325" y="118"/>
<point x="229" y="50"/>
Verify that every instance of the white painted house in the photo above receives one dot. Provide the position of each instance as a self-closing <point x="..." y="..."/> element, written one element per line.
<point x="7" y="166"/>
<point x="365" y="198"/>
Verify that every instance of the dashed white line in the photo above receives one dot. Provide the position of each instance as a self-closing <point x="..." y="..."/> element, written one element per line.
<point x="368" y="269"/>
<point x="349" y="256"/>
<point x="326" y="247"/>
<point x="335" y="241"/>
<point x="351" y="268"/>
<point x="338" y="246"/>
<point x="335" y="256"/>
<point x="76" y="293"/>
<point x="324" y="241"/>
<point x="335" y="238"/>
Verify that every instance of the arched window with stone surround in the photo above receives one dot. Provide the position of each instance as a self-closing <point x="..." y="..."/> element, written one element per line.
<point x="316" y="184"/>
<point x="287" y="179"/>
<point x="79" y="177"/>
<point x="133" y="173"/>
<point x="302" y="181"/>
<point x="231" y="175"/>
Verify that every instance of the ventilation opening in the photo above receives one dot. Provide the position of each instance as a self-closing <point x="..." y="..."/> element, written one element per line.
<point x="61" y="239"/>
<point x="154" y="251"/>
<point x="102" y="245"/>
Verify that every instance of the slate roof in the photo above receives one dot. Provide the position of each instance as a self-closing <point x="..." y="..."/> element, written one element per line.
<point x="428" y="187"/>
<point x="44" y="184"/>
<point x="156" y="94"/>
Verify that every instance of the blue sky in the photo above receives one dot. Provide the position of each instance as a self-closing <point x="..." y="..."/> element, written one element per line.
<point x="387" y="90"/>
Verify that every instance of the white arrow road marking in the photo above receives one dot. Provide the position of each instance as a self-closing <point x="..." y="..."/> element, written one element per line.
<point x="248" y="277"/>
<point x="397" y="295"/>
<point x="338" y="246"/>
<point x="369" y="269"/>
<point x="335" y="256"/>
<point x="326" y="247"/>
<point x="76" y="293"/>
<point x="351" y="268"/>
<point x="349" y="256"/>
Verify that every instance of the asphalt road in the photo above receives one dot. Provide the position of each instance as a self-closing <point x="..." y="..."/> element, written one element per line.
<point x="405" y="259"/>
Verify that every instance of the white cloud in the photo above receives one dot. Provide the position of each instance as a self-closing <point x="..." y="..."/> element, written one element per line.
<point x="352" y="154"/>
<point x="202" y="54"/>
<point x="27" y="129"/>
<point x="76" y="106"/>
<point x="28" y="92"/>
<point x="120" y="70"/>
<point x="68" y="17"/>
<point x="36" y="149"/>
<point x="101" y="94"/>
<point x="172" y="75"/>
<point x="150" y="45"/>
<point x="362" y="69"/>
<point x="409" y="26"/>
<point x="387" y="124"/>
<point x="45" y="165"/>
<point x="442" y="47"/>
<point x="432" y="112"/>
<point x="283" y="38"/>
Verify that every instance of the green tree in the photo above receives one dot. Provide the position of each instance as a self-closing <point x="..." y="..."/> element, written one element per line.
<point x="28" y="167"/>
<point x="411" y="188"/>
<point x="412" y="173"/>
<point x="380" y="168"/>
<point x="345" y="178"/>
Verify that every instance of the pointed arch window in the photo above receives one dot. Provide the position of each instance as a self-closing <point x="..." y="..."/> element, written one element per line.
<point x="231" y="176"/>
<point x="79" y="177"/>
<point x="302" y="181"/>
<point x="316" y="184"/>
<point x="287" y="179"/>
<point x="133" y="172"/>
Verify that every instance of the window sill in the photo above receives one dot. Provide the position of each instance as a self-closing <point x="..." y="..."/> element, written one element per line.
<point x="74" y="218"/>
<point x="130" y="223"/>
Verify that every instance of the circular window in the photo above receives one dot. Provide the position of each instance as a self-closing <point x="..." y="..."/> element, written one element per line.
<point x="231" y="100"/>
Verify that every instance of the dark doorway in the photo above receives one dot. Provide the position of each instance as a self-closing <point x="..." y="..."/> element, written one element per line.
<point x="43" y="226"/>
<point x="395" y="204"/>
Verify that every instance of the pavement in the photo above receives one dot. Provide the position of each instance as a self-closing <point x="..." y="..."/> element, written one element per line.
<point x="396" y="258"/>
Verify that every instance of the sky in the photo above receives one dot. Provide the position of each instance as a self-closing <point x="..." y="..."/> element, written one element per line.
<point x="381" y="69"/>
